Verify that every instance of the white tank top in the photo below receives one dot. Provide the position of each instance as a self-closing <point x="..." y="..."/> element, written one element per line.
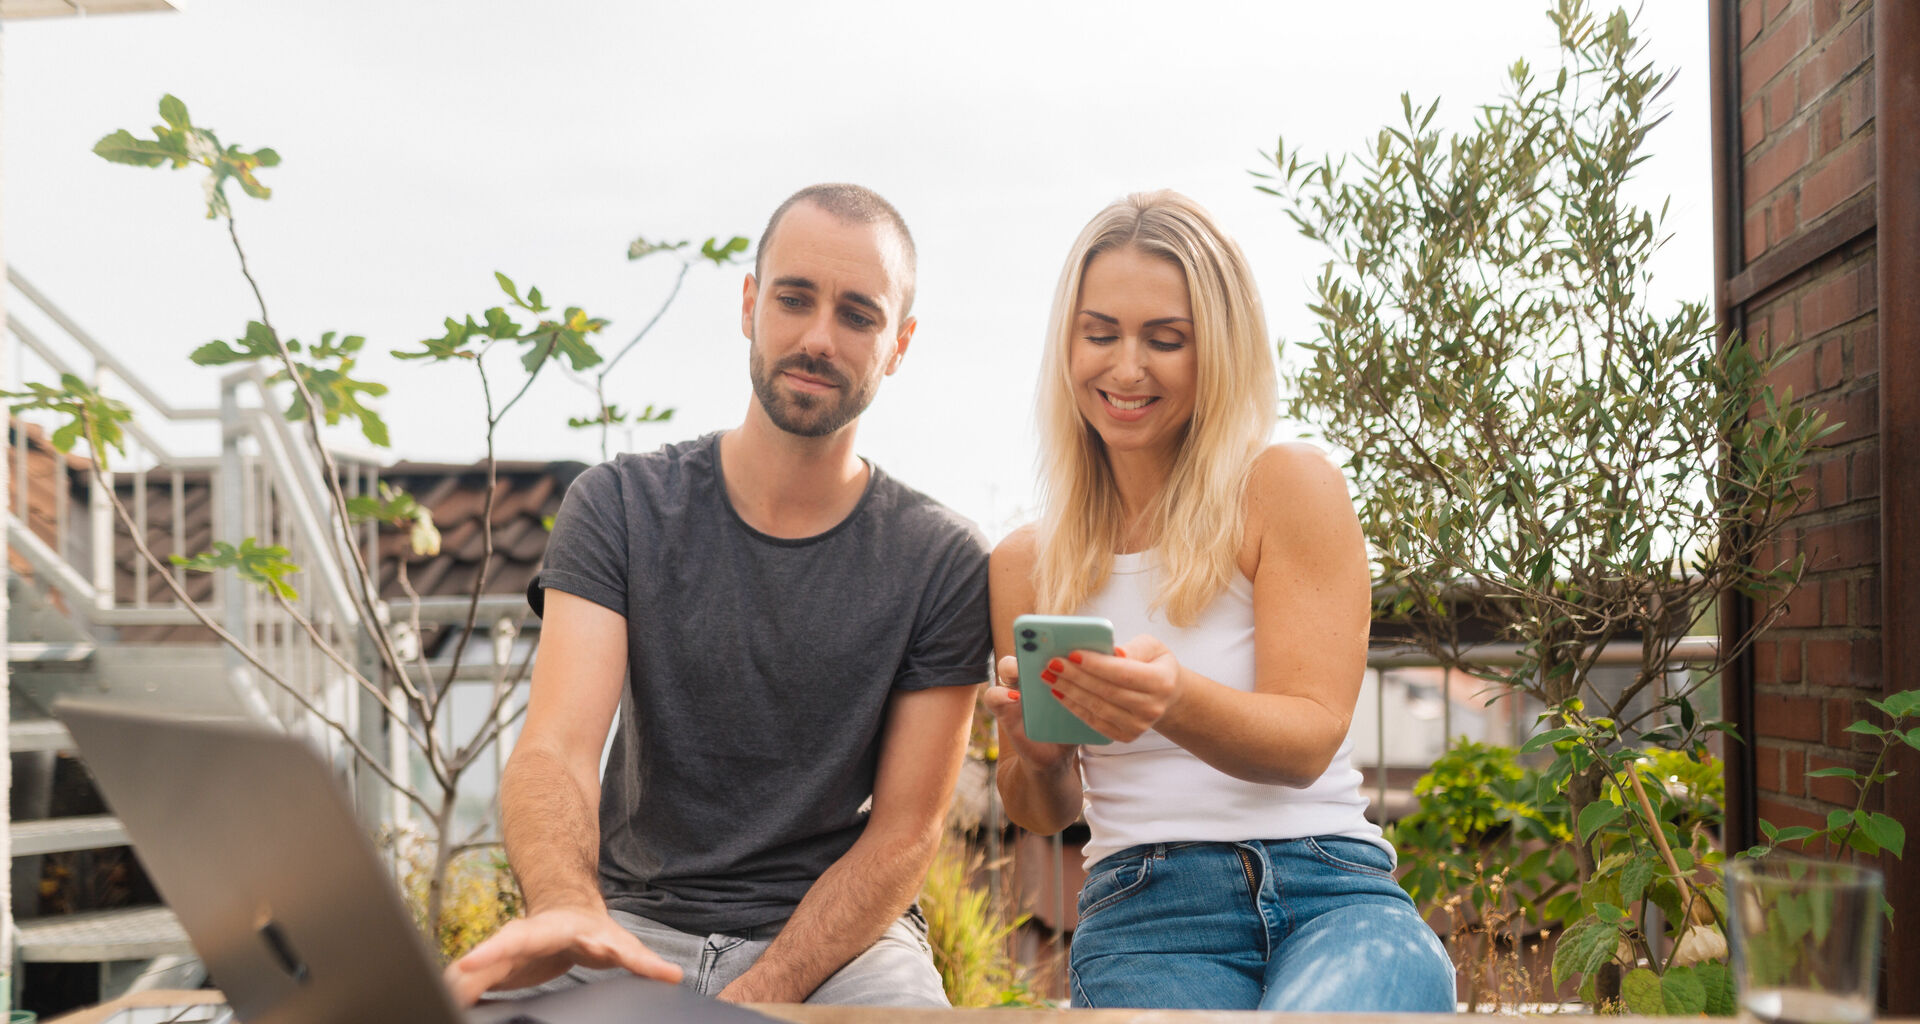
<point x="1152" y="791"/>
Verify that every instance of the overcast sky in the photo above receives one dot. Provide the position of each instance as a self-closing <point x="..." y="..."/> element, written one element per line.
<point x="428" y="143"/>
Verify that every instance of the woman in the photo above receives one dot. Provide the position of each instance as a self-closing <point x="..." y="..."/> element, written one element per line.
<point x="1230" y="864"/>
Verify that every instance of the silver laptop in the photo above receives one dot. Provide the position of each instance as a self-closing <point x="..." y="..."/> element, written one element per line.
<point x="297" y="919"/>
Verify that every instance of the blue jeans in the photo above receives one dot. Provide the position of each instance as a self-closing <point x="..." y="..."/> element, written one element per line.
<point x="1292" y="924"/>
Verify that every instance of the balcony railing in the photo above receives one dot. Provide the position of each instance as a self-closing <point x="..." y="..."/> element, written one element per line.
<point x="263" y="483"/>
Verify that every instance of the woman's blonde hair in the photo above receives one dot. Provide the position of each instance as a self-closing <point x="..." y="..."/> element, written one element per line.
<point x="1194" y="525"/>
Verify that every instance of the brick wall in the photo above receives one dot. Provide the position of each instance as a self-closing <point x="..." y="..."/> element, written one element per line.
<point x="1806" y="109"/>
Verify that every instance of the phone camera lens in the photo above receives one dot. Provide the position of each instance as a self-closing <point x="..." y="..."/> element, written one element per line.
<point x="1030" y="645"/>
<point x="1028" y="633"/>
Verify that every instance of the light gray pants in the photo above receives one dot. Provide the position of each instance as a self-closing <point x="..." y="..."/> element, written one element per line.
<point x="897" y="970"/>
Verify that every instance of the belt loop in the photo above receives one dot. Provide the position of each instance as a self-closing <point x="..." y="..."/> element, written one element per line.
<point x="1159" y="851"/>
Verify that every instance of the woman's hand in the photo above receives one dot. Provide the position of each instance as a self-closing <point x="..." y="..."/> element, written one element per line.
<point x="1003" y="700"/>
<point x="1121" y="695"/>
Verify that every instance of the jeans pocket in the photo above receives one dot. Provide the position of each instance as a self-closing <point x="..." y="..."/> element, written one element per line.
<point x="1354" y="856"/>
<point x="1113" y="881"/>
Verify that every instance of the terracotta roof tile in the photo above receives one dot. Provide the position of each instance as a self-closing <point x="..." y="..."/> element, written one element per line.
<point x="525" y="495"/>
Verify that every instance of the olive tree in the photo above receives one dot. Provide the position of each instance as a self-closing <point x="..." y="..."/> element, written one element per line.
<point x="1540" y="446"/>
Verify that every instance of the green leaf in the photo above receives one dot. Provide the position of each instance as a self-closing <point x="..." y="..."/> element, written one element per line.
<point x="500" y="325"/>
<point x="65" y="435"/>
<point x="339" y="397"/>
<point x="1640" y="991"/>
<point x="1833" y="773"/>
<point x="1683" y="993"/>
<point x="257" y="343"/>
<point x="90" y="415"/>
<point x="1544" y="739"/>
<point x="506" y="285"/>
<point x="122" y="148"/>
<point x="393" y="506"/>
<point x="1716" y="982"/>
<point x="1886" y="831"/>
<point x="174" y="112"/>
<point x="1596" y="816"/>
<point x="1583" y="948"/>
<point x="374" y="429"/>
<point x="1634" y="879"/>
<point x="723" y="254"/>
<point x="265" y="567"/>
<point x="566" y="339"/>
<point x="640" y="248"/>
<point x="451" y="345"/>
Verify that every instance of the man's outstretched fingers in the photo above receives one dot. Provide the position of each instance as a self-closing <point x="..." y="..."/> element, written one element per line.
<point x="537" y="949"/>
<point x="630" y="953"/>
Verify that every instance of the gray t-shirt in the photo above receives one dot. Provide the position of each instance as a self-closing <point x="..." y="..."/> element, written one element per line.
<point x="758" y="674"/>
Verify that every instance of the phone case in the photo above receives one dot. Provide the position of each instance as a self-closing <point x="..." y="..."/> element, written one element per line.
<point x="1038" y="639"/>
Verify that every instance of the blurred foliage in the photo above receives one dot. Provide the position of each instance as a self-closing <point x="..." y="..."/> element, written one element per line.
<point x="970" y="934"/>
<point x="480" y="896"/>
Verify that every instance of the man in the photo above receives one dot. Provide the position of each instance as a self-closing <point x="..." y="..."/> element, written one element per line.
<point x="787" y="632"/>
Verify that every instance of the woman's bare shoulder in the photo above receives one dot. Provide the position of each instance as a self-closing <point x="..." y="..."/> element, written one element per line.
<point x="1017" y="551"/>
<point x="1291" y="472"/>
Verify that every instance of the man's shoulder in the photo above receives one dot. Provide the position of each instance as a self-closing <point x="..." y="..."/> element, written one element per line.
<point x="679" y="456"/>
<point x="667" y="467"/>
<point x="919" y="518"/>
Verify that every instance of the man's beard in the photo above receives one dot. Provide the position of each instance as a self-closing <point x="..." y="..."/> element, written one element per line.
<point x="804" y="414"/>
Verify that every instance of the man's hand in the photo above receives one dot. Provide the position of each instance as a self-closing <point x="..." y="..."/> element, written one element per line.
<point x="543" y="946"/>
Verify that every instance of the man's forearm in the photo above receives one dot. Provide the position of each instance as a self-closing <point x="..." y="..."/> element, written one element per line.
<point x="552" y="833"/>
<point x="845" y="912"/>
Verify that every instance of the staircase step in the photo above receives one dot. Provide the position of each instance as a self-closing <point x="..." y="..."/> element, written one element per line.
<point x="30" y="734"/>
<point x="134" y="933"/>
<point x="22" y="652"/>
<point x="57" y="835"/>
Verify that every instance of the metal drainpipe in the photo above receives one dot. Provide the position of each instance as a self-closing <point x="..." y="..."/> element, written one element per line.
<point x="1736" y="612"/>
<point x="1896" y="134"/>
<point x="6" y="682"/>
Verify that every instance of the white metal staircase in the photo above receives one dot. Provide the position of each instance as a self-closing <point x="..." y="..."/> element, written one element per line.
<point x="85" y="617"/>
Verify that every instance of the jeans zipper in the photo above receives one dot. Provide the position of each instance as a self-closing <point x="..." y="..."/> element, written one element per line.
<point x="1246" y="865"/>
<point x="1253" y="899"/>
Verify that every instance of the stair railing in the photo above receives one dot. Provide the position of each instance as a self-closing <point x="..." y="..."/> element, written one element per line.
<point x="264" y="483"/>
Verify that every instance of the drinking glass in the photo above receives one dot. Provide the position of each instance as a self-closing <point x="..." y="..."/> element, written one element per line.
<point x="1805" y="937"/>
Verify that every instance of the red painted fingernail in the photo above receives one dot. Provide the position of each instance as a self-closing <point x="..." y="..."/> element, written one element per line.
<point x="1048" y="677"/>
<point x="1058" y="694"/>
<point x="1119" y="652"/>
<point x="1074" y="657"/>
<point x="1056" y="665"/>
<point x="1014" y="696"/>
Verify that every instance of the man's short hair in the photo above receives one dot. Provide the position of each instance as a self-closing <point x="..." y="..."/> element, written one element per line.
<point x="852" y="204"/>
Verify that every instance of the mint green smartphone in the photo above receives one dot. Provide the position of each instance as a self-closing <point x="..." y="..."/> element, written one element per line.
<point x="1038" y="639"/>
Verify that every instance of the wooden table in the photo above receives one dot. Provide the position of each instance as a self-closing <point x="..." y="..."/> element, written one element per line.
<point x="799" y="1014"/>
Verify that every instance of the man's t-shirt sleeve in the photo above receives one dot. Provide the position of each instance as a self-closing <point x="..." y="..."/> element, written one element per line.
<point x="952" y="643"/>
<point x="587" y="553"/>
